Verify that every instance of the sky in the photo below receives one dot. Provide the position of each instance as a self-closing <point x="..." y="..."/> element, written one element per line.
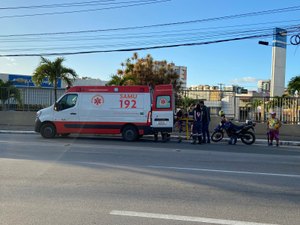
<point x="32" y="27"/>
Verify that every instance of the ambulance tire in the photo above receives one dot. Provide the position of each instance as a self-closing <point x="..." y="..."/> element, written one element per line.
<point x="48" y="130"/>
<point x="130" y="133"/>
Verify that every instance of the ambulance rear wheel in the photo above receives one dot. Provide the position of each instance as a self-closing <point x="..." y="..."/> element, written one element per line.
<point x="48" y="130"/>
<point x="129" y="133"/>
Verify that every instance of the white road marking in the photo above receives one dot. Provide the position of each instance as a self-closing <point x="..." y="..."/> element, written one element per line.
<point x="226" y="171"/>
<point x="184" y="218"/>
<point x="190" y="169"/>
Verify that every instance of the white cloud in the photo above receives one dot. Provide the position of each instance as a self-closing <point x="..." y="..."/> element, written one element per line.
<point x="9" y="61"/>
<point x="243" y="80"/>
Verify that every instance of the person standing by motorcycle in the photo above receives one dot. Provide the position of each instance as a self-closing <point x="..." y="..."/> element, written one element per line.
<point x="205" y="122"/>
<point x="229" y="127"/>
<point x="245" y="132"/>
<point x="197" y="125"/>
<point x="273" y="125"/>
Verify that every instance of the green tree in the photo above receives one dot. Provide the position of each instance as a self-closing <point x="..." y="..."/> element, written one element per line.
<point x="53" y="70"/>
<point x="294" y="85"/>
<point x="185" y="102"/>
<point x="146" y="71"/>
<point x="8" y="91"/>
<point x="120" y="80"/>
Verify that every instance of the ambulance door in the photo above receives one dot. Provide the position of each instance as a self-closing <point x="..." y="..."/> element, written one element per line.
<point x="162" y="110"/>
<point x="66" y="113"/>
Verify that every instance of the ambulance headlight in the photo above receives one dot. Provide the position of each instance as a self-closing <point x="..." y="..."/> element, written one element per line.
<point x="38" y="114"/>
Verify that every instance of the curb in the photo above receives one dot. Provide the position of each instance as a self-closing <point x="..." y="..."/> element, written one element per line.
<point x="174" y="137"/>
<point x="17" y="132"/>
<point x="257" y="141"/>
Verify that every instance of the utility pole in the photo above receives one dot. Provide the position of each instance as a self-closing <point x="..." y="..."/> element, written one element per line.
<point x="279" y="59"/>
<point x="278" y="62"/>
<point x="220" y="86"/>
<point x="221" y="89"/>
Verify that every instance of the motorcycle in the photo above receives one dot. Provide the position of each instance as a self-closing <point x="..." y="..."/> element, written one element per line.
<point x="244" y="132"/>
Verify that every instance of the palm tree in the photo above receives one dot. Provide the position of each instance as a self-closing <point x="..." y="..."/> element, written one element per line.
<point x="53" y="71"/>
<point x="294" y="85"/>
<point x="186" y="102"/>
<point x="7" y="91"/>
<point x="118" y="80"/>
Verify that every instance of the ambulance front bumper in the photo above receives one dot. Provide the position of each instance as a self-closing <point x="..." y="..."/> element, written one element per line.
<point x="37" y="125"/>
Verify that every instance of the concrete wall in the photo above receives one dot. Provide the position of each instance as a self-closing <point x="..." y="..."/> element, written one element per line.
<point x="17" y="118"/>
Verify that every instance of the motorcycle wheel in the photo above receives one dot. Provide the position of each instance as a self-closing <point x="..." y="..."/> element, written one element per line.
<point x="248" y="138"/>
<point x="217" y="136"/>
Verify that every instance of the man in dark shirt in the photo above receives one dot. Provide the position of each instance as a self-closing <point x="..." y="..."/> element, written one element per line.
<point x="205" y="122"/>
<point x="197" y="125"/>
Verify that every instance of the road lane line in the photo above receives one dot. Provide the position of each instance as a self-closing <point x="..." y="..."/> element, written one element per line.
<point x="225" y="171"/>
<point x="184" y="218"/>
<point x="191" y="169"/>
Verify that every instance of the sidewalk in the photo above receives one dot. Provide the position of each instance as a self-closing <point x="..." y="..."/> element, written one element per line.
<point x="260" y="139"/>
<point x="4" y="128"/>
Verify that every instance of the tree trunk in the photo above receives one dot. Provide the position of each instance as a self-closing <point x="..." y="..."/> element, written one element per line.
<point x="55" y="90"/>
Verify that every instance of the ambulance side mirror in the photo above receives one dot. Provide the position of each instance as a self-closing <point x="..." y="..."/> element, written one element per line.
<point x="56" y="106"/>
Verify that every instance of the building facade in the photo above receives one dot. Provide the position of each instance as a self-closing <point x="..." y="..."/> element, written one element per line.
<point x="182" y="73"/>
<point x="263" y="86"/>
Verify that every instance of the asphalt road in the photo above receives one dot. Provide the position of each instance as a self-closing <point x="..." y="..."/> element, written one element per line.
<point x="107" y="181"/>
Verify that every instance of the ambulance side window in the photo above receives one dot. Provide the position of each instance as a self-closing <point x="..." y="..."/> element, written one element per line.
<point x="163" y="102"/>
<point x="68" y="101"/>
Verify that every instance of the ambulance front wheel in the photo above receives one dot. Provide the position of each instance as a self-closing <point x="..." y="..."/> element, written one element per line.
<point x="129" y="133"/>
<point x="48" y="130"/>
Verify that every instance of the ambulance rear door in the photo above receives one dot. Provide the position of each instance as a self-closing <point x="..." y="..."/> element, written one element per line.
<point x="162" y="109"/>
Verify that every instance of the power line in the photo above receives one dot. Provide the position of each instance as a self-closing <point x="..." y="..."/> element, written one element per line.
<point x="279" y="10"/>
<point x="137" y="48"/>
<point x="5" y="38"/>
<point x="138" y="3"/>
<point x="157" y="38"/>
<point x="149" y="40"/>
<point x="57" y="5"/>
<point x="197" y="33"/>
<point x="159" y="41"/>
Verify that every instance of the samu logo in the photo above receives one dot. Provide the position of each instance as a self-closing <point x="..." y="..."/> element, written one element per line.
<point x="163" y="101"/>
<point x="97" y="100"/>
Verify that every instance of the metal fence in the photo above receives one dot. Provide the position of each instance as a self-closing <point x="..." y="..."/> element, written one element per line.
<point x="32" y="98"/>
<point x="258" y="109"/>
<point x="243" y="107"/>
<point x="238" y="107"/>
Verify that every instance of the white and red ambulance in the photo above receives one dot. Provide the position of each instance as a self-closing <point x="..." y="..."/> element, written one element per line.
<point x="132" y="111"/>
